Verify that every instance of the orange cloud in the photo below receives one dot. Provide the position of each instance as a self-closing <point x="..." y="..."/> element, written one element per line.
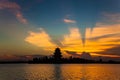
<point x="103" y="37"/>
<point x="40" y="39"/>
<point x="72" y="41"/>
<point x="72" y="38"/>
<point x="14" y="8"/>
<point x="69" y="21"/>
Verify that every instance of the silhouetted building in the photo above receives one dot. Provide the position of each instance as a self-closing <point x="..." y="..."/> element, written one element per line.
<point x="57" y="54"/>
<point x="86" y="55"/>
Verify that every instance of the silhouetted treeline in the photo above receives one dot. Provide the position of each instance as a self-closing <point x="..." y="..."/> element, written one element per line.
<point x="50" y="60"/>
<point x="57" y="58"/>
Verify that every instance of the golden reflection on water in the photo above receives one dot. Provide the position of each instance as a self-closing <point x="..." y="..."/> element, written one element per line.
<point x="60" y="72"/>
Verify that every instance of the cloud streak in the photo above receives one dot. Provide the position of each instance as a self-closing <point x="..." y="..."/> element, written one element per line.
<point x="73" y="53"/>
<point x="40" y="39"/>
<point x="72" y="41"/>
<point x="112" y="51"/>
<point x="72" y="38"/>
<point x="14" y="8"/>
<point x="69" y="21"/>
<point x="105" y="37"/>
<point x="111" y="18"/>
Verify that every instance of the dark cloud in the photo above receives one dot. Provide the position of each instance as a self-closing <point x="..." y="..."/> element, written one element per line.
<point x="111" y="51"/>
<point x="105" y="36"/>
<point x="73" y="53"/>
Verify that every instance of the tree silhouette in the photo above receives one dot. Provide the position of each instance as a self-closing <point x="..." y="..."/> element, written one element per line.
<point x="57" y="54"/>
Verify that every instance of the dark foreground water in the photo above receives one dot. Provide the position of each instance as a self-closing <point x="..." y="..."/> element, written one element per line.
<point x="59" y="71"/>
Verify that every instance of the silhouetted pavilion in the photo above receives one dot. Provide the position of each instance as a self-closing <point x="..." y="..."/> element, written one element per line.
<point x="57" y="54"/>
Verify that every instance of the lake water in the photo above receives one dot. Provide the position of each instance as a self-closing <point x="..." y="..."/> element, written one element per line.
<point x="59" y="71"/>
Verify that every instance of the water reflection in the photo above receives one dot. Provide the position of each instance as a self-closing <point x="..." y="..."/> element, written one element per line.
<point x="12" y="72"/>
<point x="83" y="72"/>
<point x="57" y="72"/>
<point x="60" y="72"/>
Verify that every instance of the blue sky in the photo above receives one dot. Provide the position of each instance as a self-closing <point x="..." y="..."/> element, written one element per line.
<point x="22" y="22"/>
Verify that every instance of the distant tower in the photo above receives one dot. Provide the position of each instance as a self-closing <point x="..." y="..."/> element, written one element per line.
<point x="57" y="54"/>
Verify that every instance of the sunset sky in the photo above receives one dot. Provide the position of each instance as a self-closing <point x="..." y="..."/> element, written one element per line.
<point x="37" y="27"/>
